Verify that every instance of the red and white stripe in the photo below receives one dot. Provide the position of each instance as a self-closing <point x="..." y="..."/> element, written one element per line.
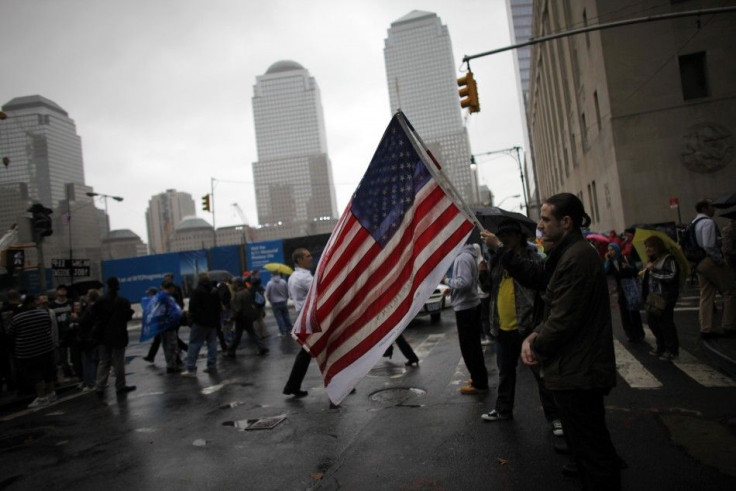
<point x="363" y="295"/>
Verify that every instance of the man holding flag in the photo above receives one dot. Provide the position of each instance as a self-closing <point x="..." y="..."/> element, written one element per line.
<point x="403" y="226"/>
<point x="299" y="284"/>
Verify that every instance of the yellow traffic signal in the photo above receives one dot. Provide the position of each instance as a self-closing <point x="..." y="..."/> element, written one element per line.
<point x="468" y="93"/>
<point x="206" y="202"/>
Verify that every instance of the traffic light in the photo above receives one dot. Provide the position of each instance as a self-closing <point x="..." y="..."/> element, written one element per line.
<point x="468" y="93"/>
<point x="41" y="224"/>
<point x="206" y="202"/>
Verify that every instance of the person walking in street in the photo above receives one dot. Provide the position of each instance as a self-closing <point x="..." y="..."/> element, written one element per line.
<point x="661" y="280"/>
<point x="205" y="308"/>
<point x="86" y="342"/>
<point x="618" y="266"/>
<point x="253" y="283"/>
<point x="299" y="284"/>
<point x="164" y="311"/>
<point x="33" y="345"/>
<point x="61" y="306"/>
<point x="574" y="342"/>
<point x="466" y="304"/>
<point x="244" y="312"/>
<point x="112" y="313"/>
<point x="277" y="294"/>
<point x="713" y="273"/>
<point x="178" y="297"/>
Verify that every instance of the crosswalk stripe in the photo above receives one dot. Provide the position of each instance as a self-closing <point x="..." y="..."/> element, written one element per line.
<point x="428" y="345"/>
<point x="633" y="371"/>
<point x="703" y="374"/>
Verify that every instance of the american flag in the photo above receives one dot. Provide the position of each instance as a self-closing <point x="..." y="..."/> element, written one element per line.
<point x="391" y="247"/>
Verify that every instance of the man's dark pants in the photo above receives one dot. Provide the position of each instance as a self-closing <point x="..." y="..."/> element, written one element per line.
<point x="584" y="420"/>
<point x="298" y="371"/>
<point x="468" y="333"/>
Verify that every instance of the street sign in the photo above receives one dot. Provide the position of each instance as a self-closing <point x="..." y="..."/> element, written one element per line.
<point x="77" y="267"/>
<point x="674" y="203"/>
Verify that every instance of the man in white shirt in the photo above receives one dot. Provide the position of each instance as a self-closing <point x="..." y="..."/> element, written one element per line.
<point x="299" y="284"/>
<point x="713" y="273"/>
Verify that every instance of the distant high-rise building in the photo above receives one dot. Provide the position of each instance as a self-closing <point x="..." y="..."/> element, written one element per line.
<point x="422" y="82"/>
<point x="520" y="14"/>
<point x="165" y="211"/>
<point x="292" y="177"/>
<point x="45" y="152"/>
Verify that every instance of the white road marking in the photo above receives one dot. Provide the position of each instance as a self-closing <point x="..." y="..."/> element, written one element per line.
<point x="632" y="371"/>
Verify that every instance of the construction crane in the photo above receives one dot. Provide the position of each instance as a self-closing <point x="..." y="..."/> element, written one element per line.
<point x="246" y="227"/>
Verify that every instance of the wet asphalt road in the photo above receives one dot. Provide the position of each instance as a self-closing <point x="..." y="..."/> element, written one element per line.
<point x="405" y="428"/>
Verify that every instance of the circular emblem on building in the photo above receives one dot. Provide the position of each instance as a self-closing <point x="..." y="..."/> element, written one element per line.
<point x="709" y="147"/>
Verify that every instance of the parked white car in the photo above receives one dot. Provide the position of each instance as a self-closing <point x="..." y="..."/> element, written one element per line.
<point x="437" y="302"/>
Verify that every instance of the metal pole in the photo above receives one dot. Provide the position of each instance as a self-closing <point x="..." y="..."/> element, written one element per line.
<point x="212" y="205"/>
<point x="609" y="25"/>
<point x="523" y="185"/>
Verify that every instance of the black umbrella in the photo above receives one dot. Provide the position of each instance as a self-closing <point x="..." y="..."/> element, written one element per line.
<point x="491" y="217"/>
<point x="82" y="287"/>
<point x="729" y="214"/>
<point x="725" y="201"/>
<point x="218" y="275"/>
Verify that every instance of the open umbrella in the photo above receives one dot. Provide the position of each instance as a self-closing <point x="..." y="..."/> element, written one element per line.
<point x="725" y="201"/>
<point x="278" y="268"/>
<point x="598" y="238"/>
<point x="490" y="217"/>
<point x="729" y="214"/>
<point x="672" y="247"/>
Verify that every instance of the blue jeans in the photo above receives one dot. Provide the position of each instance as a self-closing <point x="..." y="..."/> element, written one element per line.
<point x="281" y="312"/>
<point x="90" y="359"/>
<point x="197" y="338"/>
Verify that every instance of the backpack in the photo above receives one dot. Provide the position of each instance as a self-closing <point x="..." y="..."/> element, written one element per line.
<point x="258" y="299"/>
<point x="693" y="252"/>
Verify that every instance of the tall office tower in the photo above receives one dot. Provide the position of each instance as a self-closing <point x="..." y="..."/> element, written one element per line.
<point x="43" y="148"/>
<point x="422" y="82"/>
<point x="165" y="211"/>
<point x="292" y="177"/>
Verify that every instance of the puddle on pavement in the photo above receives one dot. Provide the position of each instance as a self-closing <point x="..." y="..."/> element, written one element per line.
<point x="399" y="396"/>
<point x="231" y="405"/>
<point x="199" y="442"/>
<point x="387" y="370"/>
<point x="22" y="439"/>
<point x="256" y="424"/>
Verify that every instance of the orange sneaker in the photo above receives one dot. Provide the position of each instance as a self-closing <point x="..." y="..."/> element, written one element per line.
<point x="470" y="390"/>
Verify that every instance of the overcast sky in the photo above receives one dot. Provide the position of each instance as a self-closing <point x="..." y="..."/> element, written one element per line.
<point x="161" y="90"/>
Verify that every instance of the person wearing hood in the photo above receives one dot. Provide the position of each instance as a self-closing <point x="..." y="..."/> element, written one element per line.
<point x="205" y="310"/>
<point x="618" y="266"/>
<point x="466" y="304"/>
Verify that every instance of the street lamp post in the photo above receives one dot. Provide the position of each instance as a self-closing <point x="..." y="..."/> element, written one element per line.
<point x="514" y="153"/>
<point x="107" y="216"/>
<point x="507" y="197"/>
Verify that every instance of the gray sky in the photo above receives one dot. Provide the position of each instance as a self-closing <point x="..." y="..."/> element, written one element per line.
<point x="160" y="90"/>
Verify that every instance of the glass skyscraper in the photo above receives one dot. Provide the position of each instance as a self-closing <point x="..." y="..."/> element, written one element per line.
<point x="292" y="177"/>
<point x="422" y="82"/>
<point x="45" y="152"/>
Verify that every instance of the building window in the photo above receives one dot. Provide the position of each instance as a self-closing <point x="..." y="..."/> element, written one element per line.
<point x="595" y="204"/>
<point x="693" y="76"/>
<point x="583" y="131"/>
<point x="597" y="110"/>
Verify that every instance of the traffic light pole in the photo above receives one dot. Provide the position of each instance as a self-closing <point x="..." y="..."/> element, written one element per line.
<point x="212" y="205"/>
<point x="608" y="25"/>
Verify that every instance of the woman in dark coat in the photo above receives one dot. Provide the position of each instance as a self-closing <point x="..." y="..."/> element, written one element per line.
<point x="618" y="266"/>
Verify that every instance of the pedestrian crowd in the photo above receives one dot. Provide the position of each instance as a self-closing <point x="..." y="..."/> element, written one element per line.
<point x="545" y="303"/>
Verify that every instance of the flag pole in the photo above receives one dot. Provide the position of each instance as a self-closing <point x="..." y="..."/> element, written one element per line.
<point x="436" y="171"/>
